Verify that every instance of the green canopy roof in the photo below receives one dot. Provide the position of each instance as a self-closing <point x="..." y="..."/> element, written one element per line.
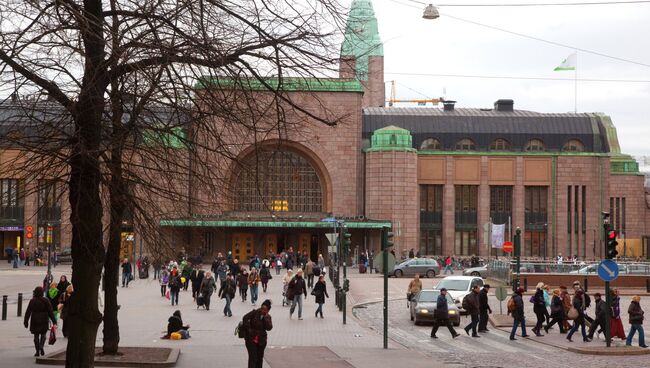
<point x="272" y="224"/>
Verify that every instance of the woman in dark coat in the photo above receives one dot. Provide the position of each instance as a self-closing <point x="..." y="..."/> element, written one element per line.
<point x="256" y="323"/>
<point x="265" y="276"/>
<point x="175" y="324"/>
<point x="320" y="292"/>
<point x="37" y="314"/>
<point x="578" y="304"/>
<point x="557" y="312"/>
<point x="62" y="285"/>
<point x="539" y="307"/>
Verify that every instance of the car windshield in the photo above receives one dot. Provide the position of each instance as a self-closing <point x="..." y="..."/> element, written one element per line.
<point x="453" y="284"/>
<point x="429" y="296"/>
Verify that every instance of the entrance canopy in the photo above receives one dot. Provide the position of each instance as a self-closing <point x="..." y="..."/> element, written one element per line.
<point x="369" y="224"/>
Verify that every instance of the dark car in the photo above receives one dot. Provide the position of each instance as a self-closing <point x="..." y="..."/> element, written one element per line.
<point x="423" y="307"/>
<point x="65" y="256"/>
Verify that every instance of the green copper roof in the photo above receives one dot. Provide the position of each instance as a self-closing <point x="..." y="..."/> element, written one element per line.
<point x="620" y="163"/>
<point x="285" y="84"/>
<point x="273" y="224"/>
<point x="172" y="138"/>
<point x="610" y="131"/>
<point x="391" y="138"/>
<point x="362" y="36"/>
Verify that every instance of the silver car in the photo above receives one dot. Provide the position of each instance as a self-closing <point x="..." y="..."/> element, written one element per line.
<point x="480" y="271"/>
<point x="428" y="267"/>
<point x="423" y="307"/>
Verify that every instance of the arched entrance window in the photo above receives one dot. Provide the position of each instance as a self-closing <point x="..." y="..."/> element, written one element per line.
<point x="278" y="181"/>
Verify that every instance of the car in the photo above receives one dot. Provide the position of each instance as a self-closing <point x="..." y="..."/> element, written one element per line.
<point x="592" y="269"/>
<point x="458" y="287"/>
<point x="423" y="306"/>
<point x="428" y="267"/>
<point x="480" y="271"/>
<point x="65" y="256"/>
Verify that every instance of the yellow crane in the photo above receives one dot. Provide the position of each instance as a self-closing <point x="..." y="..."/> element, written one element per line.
<point x="393" y="99"/>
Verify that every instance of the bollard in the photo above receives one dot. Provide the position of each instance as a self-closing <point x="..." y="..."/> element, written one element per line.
<point x="647" y="285"/>
<point x="4" y="307"/>
<point x="525" y="284"/>
<point x="586" y="284"/>
<point x="20" y="304"/>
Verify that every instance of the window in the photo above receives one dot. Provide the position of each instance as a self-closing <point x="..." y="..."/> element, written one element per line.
<point x="430" y="241"/>
<point x="465" y="145"/>
<point x="208" y="243"/>
<point x="431" y="144"/>
<point x="431" y="219"/>
<point x="465" y="243"/>
<point x="535" y="145"/>
<point x="9" y="193"/>
<point x="49" y="209"/>
<point x="535" y="243"/>
<point x="573" y="145"/>
<point x="500" y="203"/>
<point x="278" y="181"/>
<point x="466" y="203"/>
<point x="536" y="227"/>
<point x="500" y="144"/>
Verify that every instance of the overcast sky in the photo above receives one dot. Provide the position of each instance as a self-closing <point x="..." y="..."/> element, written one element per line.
<point x="451" y="46"/>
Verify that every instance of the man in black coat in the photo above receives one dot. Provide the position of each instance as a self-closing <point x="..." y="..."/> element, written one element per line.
<point x="518" y="314"/>
<point x="601" y="316"/>
<point x="196" y="277"/>
<point x="472" y="308"/>
<point x="298" y="288"/>
<point x="484" y="308"/>
<point x="442" y="315"/>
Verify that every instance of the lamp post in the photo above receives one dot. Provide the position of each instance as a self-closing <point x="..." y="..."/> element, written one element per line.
<point x="430" y="12"/>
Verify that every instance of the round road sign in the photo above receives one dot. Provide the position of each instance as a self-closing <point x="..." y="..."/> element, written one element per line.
<point x="378" y="262"/>
<point x="507" y="247"/>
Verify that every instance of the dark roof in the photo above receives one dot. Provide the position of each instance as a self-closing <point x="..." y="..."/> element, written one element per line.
<point x="483" y="126"/>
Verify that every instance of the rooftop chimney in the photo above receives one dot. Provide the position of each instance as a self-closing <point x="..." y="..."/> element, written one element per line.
<point x="504" y="105"/>
<point x="448" y="105"/>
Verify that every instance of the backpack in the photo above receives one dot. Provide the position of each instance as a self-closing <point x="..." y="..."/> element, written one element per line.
<point x="465" y="303"/>
<point x="511" y="305"/>
<point x="240" y="330"/>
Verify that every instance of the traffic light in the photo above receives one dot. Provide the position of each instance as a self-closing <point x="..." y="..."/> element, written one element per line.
<point x="386" y="238"/>
<point x="347" y="240"/>
<point x="611" y="244"/>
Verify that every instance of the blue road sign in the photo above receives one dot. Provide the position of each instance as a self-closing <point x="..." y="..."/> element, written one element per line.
<point x="608" y="270"/>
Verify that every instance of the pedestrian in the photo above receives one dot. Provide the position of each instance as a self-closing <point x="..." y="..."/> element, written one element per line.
<point x="566" y="303"/>
<point x="278" y="265"/>
<point x="579" y="322"/>
<point x="616" y="322"/>
<point x="636" y="322"/>
<point x="297" y="288"/>
<point x="557" y="312"/>
<point x="227" y="291"/>
<point x="547" y="303"/>
<point x="62" y="285"/>
<point x="309" y="271"/>
<point x="517" y="312"/>
<point x="196" y="278"/>
<point x="539" y="307"/>
<point x="256" y="323"/>
<point x="471" y="305"/>
<point x="163" y="279"/>
<point x="207" y="287"/>
<point x="53" y="297"/>
<point x="601" y="316"/>
<point x="222" y="270"/>
<point x="253" y="282"/>
<point x="441" y="315"/>
<point x="39" y="310"/>
<point x="585" y="298"/>
<point x="186" y="274"/>
<point x="47" y="281"/>
<point x="321" y="262"/>
<point x="242" y="281"/>
<point x="175" y="325"/>
<point x="484" y="308"/>
<point x="415" y="286"/>
<point x="320" y="292"/>
<point x="411" y="254"/>
<point x="448" y="265"/>
<point x="64" y="308"/>
<point x="126" y="272"/>
<point x="265" y="276"/>
<point x="174" y="285"/>
<point x="157" y="264"/>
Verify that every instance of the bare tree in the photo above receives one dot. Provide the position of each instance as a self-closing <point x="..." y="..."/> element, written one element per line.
<point x="129" y="123"/>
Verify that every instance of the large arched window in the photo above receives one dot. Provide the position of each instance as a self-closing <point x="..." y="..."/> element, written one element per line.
<point x="535" y="145"/>
<point x="278" y="181"/>
<point x="573" y="145"/>
<point x="500" y="144"/>
<point x="431" y="144"/>
<point x="465" y="145"/>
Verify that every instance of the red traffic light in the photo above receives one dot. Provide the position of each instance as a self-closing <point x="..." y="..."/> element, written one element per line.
<point x="612" y="234"/>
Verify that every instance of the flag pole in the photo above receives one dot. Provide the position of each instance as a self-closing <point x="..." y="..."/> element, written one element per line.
<point x="575" y="84"/>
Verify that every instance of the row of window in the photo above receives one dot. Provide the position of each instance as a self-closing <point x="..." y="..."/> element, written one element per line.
<point x="500" y="144"/>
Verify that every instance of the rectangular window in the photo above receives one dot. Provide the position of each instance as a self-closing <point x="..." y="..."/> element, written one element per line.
<point x="430" y="242"/>
<point x="618" y="214"/>
<point x="535" y="243"/>
<point x="623" y="229"/>
<point x="10" y="193"/>
<point x="465" y="243"/>
<point x="466" y="204"/>
<point x="208" y="243"/>
<point x="49" y="209"/>
<point x="568" y="210"/>
<point x="431" y="219"/>
<point x="536" y="217"/>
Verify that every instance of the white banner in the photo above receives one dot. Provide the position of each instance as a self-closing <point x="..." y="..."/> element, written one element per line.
<point x="498" y="233"/>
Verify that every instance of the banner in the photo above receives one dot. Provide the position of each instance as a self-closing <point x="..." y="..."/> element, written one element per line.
<point x="498" y="233"/>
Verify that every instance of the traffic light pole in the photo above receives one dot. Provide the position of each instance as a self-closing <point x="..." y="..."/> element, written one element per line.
<point x="345" y="272"/>
<point x="608" y="294"/>
<point x="517" y="250"/>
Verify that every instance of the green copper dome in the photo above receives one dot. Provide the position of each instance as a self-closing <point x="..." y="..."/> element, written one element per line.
<point x="362" y="36"/>
<point x="391" y="138"/>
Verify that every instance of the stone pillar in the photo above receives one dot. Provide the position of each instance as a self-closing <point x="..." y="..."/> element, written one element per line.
<point x="448" y="217"/>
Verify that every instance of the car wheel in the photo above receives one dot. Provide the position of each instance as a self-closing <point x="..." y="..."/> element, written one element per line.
<point x="398" y="273"/>
<point x="431" y="274"/>
<point x="475" y="273"/>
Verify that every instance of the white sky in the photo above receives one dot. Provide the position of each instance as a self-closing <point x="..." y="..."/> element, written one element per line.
<point x="450" y="46"/>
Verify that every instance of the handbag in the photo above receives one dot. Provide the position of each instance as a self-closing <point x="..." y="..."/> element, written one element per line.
<point x="52" y="338"/>
<point x="240" y="330"/>
<point x="573" y="313"/>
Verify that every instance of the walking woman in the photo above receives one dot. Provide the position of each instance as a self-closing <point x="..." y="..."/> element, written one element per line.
<point x="242" y="281"/>
<point x="616" y="322"/>
<point x="208" y="286"/>
<point x="37" y="314"/>
<point x="265" y="276"/>
<point x="320" y="292"/>
<point x="636" y="322"/>
<point x="578" y="304"/>
<point x="257" y="322"/>
<point x="539" y="307"/>
<point x="557" y="312"/>
<point x="174" y="285"/>
<point x="163" y="279"/>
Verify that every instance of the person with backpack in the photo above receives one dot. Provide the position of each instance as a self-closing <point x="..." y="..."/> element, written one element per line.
<point x="539" y="307"/>
<point x="39" y="311"/>
<point x="265" y="276"/>
<point x="586" y="300"/>
<point x="319" y="293"/>
<point x="441" y="315"/>
<point x="227" y="291"/>
<point x="484" y="308"/>
<point x="636" y="322"/>
<point x="471" y="305"/>
<point x="208" y="286"/>
<point x="296" y="289"/>
<point x="256" y="324"/>
<point x="516" y="310"/>
<point x="557" y="312"/>
<point x="174" y="285"/>
<point x="253" y="282"/>
<point x="163" y="279"/>
<point x="601" y="316"/>
<point x="579" y="322"/>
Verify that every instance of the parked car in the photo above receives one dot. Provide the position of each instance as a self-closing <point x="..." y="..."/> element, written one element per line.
<point x="423" y="307"/>
<point x="428" y="267"/>
<point x="65" y="256"/>
<point x="593" y="269"/>
<point x="480" y="271"/>
<point x="458" y="287"/>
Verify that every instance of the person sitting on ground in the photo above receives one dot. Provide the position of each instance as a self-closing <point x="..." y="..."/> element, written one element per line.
<point x="175" y="324"/>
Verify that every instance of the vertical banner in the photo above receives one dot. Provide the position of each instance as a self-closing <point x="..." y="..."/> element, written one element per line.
<point x="498" y="233"/>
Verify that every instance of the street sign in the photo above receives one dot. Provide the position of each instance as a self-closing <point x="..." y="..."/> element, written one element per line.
<point x="501" y="293"/>
<point x="507" y="247"/>
<point x="332" y="237"/>
<point x="377" y="263"/>
<point x="607" y="270"/>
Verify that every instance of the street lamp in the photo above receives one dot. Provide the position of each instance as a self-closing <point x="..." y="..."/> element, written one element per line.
<point x="430" y="12"/>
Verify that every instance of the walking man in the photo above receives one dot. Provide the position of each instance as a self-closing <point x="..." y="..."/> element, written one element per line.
<point x="448" y="267"/>
<point x="442" y="315"/>
<point x="471" y="305"/>
<point x="517" y="312"/>
<point x="484" y="308"/>
<point x="298" y="287"/>
<point x="126" y="272"/>
<point x="227" y="291"/>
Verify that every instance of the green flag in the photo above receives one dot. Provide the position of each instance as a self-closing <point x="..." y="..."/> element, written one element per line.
<point x="568" y="64"/>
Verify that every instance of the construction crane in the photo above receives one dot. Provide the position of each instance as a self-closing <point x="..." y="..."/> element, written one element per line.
<point x="421" y="102"/>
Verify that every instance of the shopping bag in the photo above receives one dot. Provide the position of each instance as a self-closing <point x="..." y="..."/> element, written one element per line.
<point x="52" y="338"/>
<point x="167" y="295"/>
